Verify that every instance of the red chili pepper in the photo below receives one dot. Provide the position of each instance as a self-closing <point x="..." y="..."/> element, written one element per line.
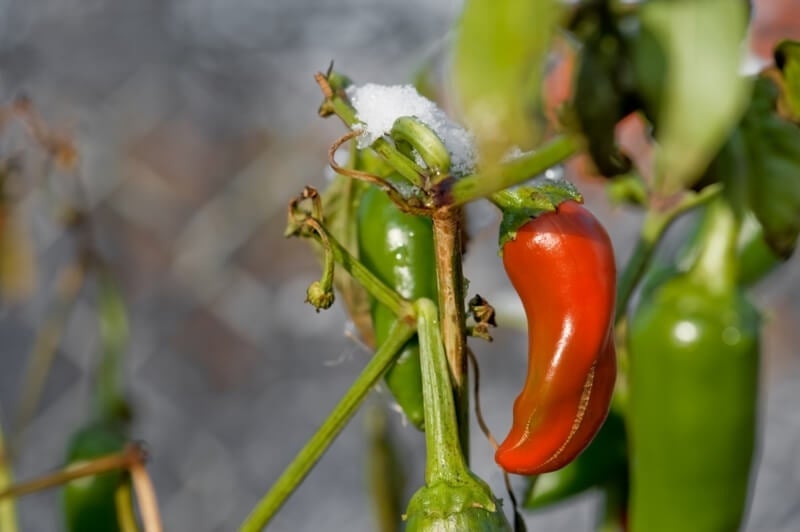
<point x="562" y="266"/>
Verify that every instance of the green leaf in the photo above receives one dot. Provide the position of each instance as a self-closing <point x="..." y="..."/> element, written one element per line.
<point x="773" y="176"/>
<point x="599" y="103"/>
<point x="704" y="93"/>
<point x="499" y="57"/>
<point x="600" y="97"/>
<point x="649" y="67"/>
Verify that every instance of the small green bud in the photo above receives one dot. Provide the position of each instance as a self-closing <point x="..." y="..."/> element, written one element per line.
<point x="318" y="296"/>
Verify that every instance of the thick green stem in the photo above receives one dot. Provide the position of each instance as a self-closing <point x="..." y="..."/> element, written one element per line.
<point x="452" y="498"/>
<point x="655" y="224"/>
<point x="444" y="460"/>
<point x="715" y="265"/>
<point x="414" y="134"/>
<point x="114" y="339"/>
<point x="297" y="470"/>
<point x="447" y="235"/>
<point x="404" y="166"/>
<point x="511" y="173"/>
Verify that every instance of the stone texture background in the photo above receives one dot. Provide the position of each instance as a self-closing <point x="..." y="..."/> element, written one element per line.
<point x="196" y="122"/>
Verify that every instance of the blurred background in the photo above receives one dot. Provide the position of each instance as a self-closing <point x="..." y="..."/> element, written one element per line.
<point x="194" y="123"/>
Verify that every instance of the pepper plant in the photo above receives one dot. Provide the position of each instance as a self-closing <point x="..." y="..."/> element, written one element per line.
<point x="651" y="399"/>
<point x="640" y="401"/>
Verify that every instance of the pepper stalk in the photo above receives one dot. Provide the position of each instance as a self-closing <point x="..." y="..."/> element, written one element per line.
<point x="453" y="498"/>
<point x="715" y="265"/>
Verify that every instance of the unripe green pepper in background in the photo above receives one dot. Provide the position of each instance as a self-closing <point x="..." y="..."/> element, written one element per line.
<point x="694" y="345"/>
<point x="89" y="502"/>
<point x="398" y="248"/>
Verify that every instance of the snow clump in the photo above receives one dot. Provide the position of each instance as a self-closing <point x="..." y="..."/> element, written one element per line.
<point x="378" y="106"/>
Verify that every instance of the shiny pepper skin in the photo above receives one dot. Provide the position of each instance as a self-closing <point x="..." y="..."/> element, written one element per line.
<point x="398" y="248"/>
<point x="562" y="266"/>
<point x="694" y="376"/>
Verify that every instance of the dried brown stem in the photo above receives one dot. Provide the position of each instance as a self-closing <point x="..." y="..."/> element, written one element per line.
<point x="146" y="497"/>
<point x="394" y="194"/>
<point x="322" y="81"/>
<point x="132" y="454"/>
<point x="448" y="245"/>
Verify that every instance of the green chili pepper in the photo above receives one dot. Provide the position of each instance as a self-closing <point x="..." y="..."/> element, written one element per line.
<point x="89" y="502"/>
<point x="398" y="248"/>
<point x="601" y="88"/>
<point x="693" y="387"/>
